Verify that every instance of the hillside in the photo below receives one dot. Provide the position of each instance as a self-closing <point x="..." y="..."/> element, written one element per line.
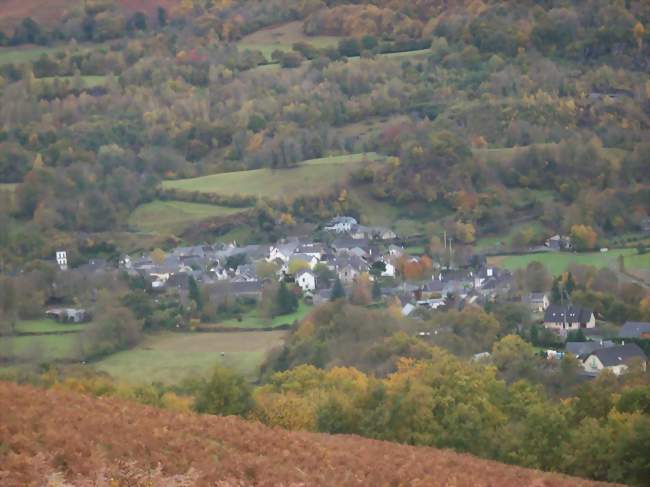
<point x="55" y="435"/>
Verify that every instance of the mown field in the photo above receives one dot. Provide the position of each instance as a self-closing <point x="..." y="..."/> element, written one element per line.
<point x="42" y="344"/>
<point x="171" y="357"/>
<point x="309" y="177"/>
<point x="47" y="325"/>
<point x="557" y="262"/>
<point x="174" y="216"/>
<point x="253" y="320"/>
<point x="40" y="348"/>
<point x="282" y="37"/>
<point x="88" y="81"/>
<point x="24" y="54"/>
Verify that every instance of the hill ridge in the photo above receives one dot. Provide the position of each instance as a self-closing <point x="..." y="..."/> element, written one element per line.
<point x="62" y="436"/>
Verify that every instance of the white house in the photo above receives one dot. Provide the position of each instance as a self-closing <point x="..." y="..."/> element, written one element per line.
<point x="62" y="259"/>
<point x="283" y="250"/>
<point x="341" y="224"/>
<point x="389" y="271"/>
<point x="615" y="359"/>
<point x="306" y="280"/>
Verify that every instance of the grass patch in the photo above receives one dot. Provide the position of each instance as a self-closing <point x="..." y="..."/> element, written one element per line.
<point x="282" y="37"/>
<point x="47" y="326"/>
<point x="88" y="81"/>
<point x="557" y="262"/>
<point x="253" y="320"/>
<point x="174" y="216"/>
<point x="504" y="241"/>
<point x="637" y="261"/>
<point x="11" y="187"/>
<point x="309" y="177"/>
<point x="171" y="357"/>
<point x="43" y="348"/>
<point x="24" y="55"/>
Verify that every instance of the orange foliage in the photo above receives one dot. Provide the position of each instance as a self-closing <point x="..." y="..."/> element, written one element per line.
<point x="50" y="437"/>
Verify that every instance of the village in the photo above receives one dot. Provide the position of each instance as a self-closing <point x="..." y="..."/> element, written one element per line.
<point x="348" y="256"/>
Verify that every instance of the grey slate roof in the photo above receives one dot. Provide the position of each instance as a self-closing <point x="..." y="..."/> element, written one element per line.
<point x="569" y="314"/>
<point x="585" y="348"/>
<point x="619" y="355"/>
<point x="634" y="329"/>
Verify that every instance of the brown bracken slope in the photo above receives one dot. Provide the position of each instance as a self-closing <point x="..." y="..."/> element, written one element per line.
<point x="52" y="437"/>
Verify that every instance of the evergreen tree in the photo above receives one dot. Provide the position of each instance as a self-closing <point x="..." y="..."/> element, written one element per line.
<point x="534" y="335"/>
<point x="570" y="284"/>
<point x="337" y="291"/>
<point x="287" y="302"/>
<point x="376" y="290"/>
<point x="556" y="293"/>
<point x="195" y="293"/>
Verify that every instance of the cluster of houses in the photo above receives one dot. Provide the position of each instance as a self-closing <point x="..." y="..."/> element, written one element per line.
<point x="352" y="250"/>
<point x="231" y="271"/>
<point x="595" y="354"/>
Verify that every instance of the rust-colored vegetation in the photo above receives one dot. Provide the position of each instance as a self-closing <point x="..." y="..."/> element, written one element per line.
<point x="55" y="437"/>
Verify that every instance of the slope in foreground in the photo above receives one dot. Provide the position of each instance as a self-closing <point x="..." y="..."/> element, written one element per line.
<point x="80" y="440"/>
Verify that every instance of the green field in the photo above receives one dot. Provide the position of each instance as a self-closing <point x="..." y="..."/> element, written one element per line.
<point x="504" y="241"/>
<point x="171" y="357"/>
<point x="43" y="348"/>
<point x="88" y="81"/>
<point x="557" y="262"/>
<point x="8" y="187"/>
<point x="23" y="55"/>
<point x="174" y="216"/>
<point x="637" y="261"/>
<point x="47" y="325"/>
<point x="310" y="177"/>
<point x="252" y="320"/>
<point x="282" y="37"/>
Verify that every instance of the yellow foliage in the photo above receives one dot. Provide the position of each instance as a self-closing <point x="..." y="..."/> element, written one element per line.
<point x="175" y="402"/>
<point x="288" y="410"/>
<point x="306" y="329"/>
<point x="255" y="143"/>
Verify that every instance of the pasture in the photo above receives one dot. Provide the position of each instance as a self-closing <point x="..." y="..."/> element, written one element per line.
<point x="40" y="348"/>
<point x="47" y="325"/>
<point x="174" y="216"/>
<point x="253" y="320"/>
<point x="282" y="37"/>
<point x="24" y="54"/>
<point x="171" y="357"/>
<point x="309" y="177"/>
<point x="557" y="262"/>
<point x="88" y="81"/>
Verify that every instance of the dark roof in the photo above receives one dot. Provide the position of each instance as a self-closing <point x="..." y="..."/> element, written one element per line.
<point x="569" y="314"/>
<point x="634" y="329"/>
<point x="619" y="355"/>
<point x="585" y="348"/>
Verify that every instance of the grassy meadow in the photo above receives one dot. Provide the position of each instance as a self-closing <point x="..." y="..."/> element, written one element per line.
<point x="309" y="177"/>
<point x="171" y="357"/>
<point x="47" y="325"/>
<point x="557" y="262"/>
<point x="88" y="81"/>
<point x="253" y="320"/>
<point x="41" y="348"/>
<point x="174" y="216"/>
<point x="282" y="37"/>
<point x="24" y="54"/>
